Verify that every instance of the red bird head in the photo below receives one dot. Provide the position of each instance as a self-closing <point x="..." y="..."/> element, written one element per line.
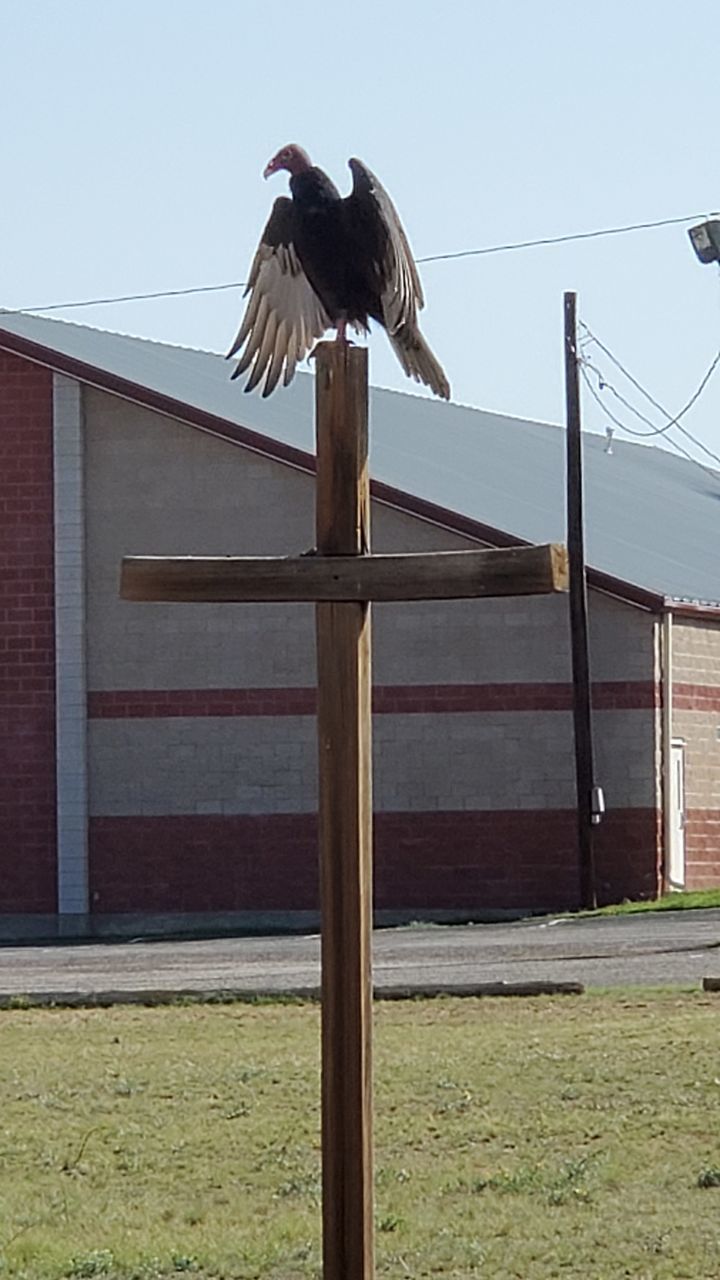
<point x="292" y="158"/>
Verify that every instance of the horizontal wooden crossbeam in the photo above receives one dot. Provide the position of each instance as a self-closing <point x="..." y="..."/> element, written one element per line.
<point x="437" y="575"/>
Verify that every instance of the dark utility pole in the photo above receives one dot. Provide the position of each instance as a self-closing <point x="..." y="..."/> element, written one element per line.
<point x="582" y="715"/>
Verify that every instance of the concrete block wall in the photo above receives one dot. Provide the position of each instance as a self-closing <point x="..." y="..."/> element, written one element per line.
<point x="202" y="784"/>
<point x="696" y="720"/>
<point x="70" y="633"/>
<point x="431" y="761"/>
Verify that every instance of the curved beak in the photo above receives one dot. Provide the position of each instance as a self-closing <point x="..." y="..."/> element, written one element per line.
<point x="270" y="168"/>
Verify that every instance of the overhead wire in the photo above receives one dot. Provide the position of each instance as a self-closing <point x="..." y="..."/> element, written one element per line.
<point x="643" y="390"/>
<point x="673" y="421"/>
<point x="624" y="427"/>
<point x="604" y="385"/>
<point x="589" y="337"/>
<point x="125" y="297"/>
<point x="577" y="235"/>
<point x="436" y="257"/>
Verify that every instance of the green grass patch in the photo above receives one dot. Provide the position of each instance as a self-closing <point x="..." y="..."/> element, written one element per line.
<point x="692" y="900"/>
<point x="517" y="1139"/>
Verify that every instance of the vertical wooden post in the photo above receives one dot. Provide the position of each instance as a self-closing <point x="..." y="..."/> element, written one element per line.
<point x="582" y="710"/>
<point x="345" y="821"/>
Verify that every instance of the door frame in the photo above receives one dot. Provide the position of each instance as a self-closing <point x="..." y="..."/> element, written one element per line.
<point x="676" y="806"/>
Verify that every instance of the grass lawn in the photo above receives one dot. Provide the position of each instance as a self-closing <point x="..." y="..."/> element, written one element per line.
<point x="569" y="1137"/>
<point x="689" y="900"/>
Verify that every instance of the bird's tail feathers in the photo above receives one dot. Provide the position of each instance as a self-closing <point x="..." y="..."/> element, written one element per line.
<point x="418" y="360"/>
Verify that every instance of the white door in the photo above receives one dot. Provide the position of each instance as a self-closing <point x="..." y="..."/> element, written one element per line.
<point x="676" y="868"/>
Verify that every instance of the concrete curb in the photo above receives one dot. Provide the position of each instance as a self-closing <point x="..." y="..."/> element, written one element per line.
<point x="479" y="989"/>
<point x="227" y="995"/>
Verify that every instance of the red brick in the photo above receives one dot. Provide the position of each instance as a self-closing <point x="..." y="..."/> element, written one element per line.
<point x="27" y="676"/>
<point x="452" y="860"/>
<point x="702" y="848"/>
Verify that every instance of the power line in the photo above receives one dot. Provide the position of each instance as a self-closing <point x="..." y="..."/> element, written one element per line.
<point x="578" y="235"/>
<point x="126" y="297"/>
<point x="672" y="421"/>
<point x="623" y="426"/>
<point x="604" y="385"/>
<point x="437" y="257"/>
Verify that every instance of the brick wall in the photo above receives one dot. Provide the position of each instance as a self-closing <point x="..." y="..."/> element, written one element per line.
<point x="459" y="861"/>
<point x="202" y="752"/>
<point x="473" y="743"/>
<point x="696" y="719"/>
<point x="27" y="651"/>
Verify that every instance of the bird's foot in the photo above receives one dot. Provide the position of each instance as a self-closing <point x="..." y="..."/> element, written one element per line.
<point x="341" y="328"/>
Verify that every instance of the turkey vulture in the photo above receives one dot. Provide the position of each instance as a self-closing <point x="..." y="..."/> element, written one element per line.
<point x="325" y="261"/>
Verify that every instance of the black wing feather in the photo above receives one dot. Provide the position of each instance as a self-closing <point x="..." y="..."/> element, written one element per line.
<point x="390" y="262"/>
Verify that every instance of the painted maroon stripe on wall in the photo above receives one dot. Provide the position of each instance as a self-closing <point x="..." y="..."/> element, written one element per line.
<point x="457" y="860"/>
<point x="696" y="697"/>
<point x="121" y="704"/>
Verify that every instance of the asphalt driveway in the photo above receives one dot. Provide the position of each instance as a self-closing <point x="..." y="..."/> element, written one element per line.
<point x="654" y="949"/>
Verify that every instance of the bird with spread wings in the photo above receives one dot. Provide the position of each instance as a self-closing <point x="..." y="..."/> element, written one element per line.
<point x="326" y="261"/>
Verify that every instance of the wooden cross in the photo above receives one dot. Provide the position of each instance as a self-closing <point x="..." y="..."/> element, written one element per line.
<point x="342" y="578"/>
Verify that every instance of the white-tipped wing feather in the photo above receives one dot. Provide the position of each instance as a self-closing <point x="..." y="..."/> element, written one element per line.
<point x="370" y="209"/>
<point x="284" y="316"/>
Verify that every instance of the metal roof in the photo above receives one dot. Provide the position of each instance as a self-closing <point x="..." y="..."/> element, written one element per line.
<point x="653" y="519"/>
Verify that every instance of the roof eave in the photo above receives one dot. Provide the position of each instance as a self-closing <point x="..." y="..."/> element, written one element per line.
<point x="692" y="609"/>
<point x="104" y="380"/>
<point x="458" y="523"/>
<point x="455" y="521"/>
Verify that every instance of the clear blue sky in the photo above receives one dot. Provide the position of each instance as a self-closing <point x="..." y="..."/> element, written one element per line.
<point x="135" y="134"/>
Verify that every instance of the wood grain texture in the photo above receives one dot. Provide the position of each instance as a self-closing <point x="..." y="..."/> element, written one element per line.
<point x="438" y="575"/>
<point x="342" y="503"/>
<point x="345" y="822"/>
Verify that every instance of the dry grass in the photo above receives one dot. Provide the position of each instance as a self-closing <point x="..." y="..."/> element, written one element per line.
<point x="528" y="1139"/>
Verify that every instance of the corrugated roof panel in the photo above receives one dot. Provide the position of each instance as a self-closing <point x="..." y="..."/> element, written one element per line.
<point x="653" y="519"/>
